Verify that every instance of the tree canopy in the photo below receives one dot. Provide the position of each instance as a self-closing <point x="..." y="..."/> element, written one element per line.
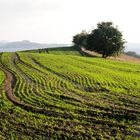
<point x="105" y="39"/>
<point x="80" y="40"/>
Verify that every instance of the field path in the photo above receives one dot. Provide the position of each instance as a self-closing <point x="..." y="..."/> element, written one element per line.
<point x="9" y="84"/>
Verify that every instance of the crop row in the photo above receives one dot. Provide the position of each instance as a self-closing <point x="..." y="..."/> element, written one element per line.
<point x="69" y="97"/>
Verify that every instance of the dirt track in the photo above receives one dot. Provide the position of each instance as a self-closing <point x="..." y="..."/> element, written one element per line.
<point x="9" y="83"/>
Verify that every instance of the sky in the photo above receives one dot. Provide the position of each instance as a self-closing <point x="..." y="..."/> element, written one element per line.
<point x="57" y="21"/>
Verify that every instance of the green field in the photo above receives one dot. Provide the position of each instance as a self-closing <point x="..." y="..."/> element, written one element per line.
<point x="58" y="51"/>
<point x="55" y="96"/>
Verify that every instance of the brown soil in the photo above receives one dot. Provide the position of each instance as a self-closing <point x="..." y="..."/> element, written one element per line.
<point x="121" y="57"/>
<point x="9" y="84"/>
<point x="126" y="58"/>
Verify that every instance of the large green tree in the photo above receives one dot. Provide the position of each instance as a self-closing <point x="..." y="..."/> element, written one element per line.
<point x="106" y="40"/>
<point x="80" y="40"/>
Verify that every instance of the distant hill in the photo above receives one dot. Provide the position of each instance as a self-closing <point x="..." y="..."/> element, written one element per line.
<point x="25" y="45"/>
<point x="133" y="47"/>
<point x="6" y="46"/>
<point x="134" y="54"/>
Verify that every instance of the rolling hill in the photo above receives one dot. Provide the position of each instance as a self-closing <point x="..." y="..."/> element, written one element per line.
<point x="6" y="46"/>
<point x="60" y="94"/>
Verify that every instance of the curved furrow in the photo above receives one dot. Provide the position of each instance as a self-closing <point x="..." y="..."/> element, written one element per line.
<point x="28" y="107"/>
<point x="56" y="83"/>
<point x="9" y="84"/>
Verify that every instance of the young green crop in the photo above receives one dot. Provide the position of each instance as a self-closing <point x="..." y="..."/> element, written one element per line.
<point x="2" y="76"/>
<point x="69" y="97"/>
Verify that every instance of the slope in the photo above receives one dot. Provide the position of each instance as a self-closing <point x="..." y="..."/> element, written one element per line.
<point x="68" y="97"/>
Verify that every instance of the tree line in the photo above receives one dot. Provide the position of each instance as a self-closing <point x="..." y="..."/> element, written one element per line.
<point x="106" y="39"/>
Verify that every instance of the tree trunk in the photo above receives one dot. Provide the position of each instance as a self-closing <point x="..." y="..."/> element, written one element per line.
<point x="103" y="56"/>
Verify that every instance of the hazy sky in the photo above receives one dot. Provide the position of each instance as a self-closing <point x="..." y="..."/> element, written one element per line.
<point x="56" y="21"/>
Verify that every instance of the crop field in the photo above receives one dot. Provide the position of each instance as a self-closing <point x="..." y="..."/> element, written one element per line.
<point x="68" y="97"/>
<point x="58" y="51"/>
